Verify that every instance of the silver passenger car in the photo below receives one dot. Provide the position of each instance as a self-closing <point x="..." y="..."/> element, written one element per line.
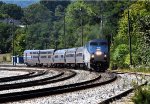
<point x="38" y="57"/>
<point x="31" y="57"/>
<point x="46" y="57"/>
<point x="80" y="56"/>
<point x="59" y="57"/>
<point x="71" y="56"/>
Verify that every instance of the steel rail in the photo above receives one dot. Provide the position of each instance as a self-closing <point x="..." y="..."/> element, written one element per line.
<point x="30" y="83"/>
<point x="25" y="76"/>
<point x="54" y="90"/>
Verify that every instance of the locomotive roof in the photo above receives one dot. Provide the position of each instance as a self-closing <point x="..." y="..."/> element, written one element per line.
<point x="98" y="40"/>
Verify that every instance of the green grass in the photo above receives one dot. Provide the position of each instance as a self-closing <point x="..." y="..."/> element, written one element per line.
<point x="142" y="70"/>
<point x="142" y="95"/>
<point x="5" y="57"/>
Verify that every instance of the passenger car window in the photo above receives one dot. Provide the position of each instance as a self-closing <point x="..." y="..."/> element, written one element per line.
<point x="49" y="56"/>
<point x="56" y="56"/>
<point x="35" y="56"/>
<point x="79" y="54"/>
<point x="43" y="56"/>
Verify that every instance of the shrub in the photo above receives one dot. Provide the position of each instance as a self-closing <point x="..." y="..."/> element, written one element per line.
<point x="4" y="58"/>
<point x="120" y="54"/>
<point x="142" y="95"/>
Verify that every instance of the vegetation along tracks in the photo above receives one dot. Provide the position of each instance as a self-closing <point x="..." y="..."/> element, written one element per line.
<point x="141" y="80"/>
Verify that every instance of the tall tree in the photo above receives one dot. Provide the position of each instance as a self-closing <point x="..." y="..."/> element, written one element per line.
<point x="139" y="30"/>
<point x="5" y="38"/>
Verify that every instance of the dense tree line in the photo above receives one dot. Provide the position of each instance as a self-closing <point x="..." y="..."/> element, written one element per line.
<point x="59" y="24"/>
<point x="140" y="36"/>
<point x="8" y="11"/>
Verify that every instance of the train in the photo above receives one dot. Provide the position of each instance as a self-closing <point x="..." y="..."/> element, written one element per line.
<point x="93" y="55"/>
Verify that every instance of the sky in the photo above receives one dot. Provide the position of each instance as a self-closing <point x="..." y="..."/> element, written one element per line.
<point x="22" y="3"/>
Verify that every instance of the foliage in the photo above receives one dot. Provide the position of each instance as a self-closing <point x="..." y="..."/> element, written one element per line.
<point x="119" y="54"/>
<point x="11" y="10"/>
<point x="52" y="4"/>
<point x="144" y="39"/>
<point x="78" y="14"/>
<point x="139" y="30"/>
<point x="19" y="41"/>
<point x="5" y="38"/>
<point x="142" y="95"/>
<point x="41" y="34"/>
<point x="36" y="13"/>
<point x="59" y="24"/>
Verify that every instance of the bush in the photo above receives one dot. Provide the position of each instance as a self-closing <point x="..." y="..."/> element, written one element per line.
<point x="142" y="95"/>
<point x="4" y="58"/>
<point x="119" y="55"/>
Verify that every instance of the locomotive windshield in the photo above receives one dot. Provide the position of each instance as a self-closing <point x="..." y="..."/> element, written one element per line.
<point x="98" y="43"/>
<point x="94" y="44"/>
<point x="102" y="43"/>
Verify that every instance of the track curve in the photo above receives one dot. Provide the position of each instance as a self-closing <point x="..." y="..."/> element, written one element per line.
<point x="57" y="89"/>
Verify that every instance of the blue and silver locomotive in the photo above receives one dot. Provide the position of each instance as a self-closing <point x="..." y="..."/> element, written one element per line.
<point x="97" y="54"/>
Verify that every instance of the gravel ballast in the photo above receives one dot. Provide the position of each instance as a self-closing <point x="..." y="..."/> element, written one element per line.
<point x="80" y="77"/>
<point x="89" y="96"/>
<point x="93" y="95"/>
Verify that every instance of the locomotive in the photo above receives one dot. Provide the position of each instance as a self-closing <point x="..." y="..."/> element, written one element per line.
<point x="93" y="55"/>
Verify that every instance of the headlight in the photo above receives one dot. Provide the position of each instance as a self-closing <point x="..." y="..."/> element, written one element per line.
<point x="105" y="55"/>
<point x="92" y="56"/>
<point x="98" y="53"/>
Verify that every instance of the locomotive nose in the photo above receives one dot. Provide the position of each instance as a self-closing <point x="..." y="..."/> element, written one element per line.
<point x="98" y="52"/>
<point x="99" y="56"/>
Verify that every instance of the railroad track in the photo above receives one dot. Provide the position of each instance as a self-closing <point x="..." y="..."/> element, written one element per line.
<point x="48" y="80"/>
<point x="30" y="74"/>
<point x="107" y="87"/>
<point x="100" y="79"/>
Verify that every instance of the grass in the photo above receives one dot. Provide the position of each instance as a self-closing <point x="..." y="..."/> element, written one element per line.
<point x="5" y="57"/>
<point x="140" y="69"/>
<point x="142" y="95"/>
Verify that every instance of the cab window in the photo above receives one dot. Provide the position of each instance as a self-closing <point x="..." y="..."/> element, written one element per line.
<point x="103" y="43"/>
<point x="94" y="43"/>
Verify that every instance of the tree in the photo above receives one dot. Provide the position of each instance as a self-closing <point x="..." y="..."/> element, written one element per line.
<point x="36" y="13"/>
<point x="20" y="41"/>
<point x="139" y="30"/>
<point x="78" y="15"/>
<point x="5" y="38"/>
<point x="12" y="10"/>
<point x="39" y="32"/>
<point x="52" y="4"/>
